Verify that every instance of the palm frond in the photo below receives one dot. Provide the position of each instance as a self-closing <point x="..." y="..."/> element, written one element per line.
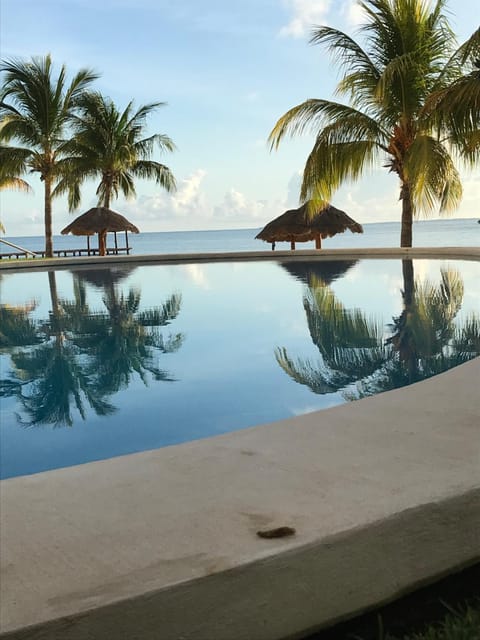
<point x="434" y="178"/>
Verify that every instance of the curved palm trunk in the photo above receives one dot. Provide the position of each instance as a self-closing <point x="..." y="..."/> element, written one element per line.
<point x="48" y="217"/>
<point x="407" y="216"/>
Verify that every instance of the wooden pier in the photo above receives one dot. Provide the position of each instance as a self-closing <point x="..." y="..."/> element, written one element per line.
<point x="65" y="253"/>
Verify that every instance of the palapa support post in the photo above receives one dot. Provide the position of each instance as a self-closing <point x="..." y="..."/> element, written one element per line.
<point x="88" y="245"/>
<point x="318" y="241"/>
<point x="292" y="245"/>
<point x="126" y="242"/>
<point x="116" y="244"/>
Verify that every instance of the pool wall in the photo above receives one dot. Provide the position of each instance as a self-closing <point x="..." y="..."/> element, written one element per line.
<point x="383" y="494"/>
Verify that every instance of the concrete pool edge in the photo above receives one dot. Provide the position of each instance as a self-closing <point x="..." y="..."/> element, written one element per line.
<point x="460" y="253"/>
<point x="401" y="468"/>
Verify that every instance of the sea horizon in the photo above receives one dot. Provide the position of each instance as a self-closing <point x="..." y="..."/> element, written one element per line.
<point x="426" y="233"/>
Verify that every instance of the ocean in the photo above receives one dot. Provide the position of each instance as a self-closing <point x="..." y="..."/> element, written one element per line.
<point x="452" y="232"/>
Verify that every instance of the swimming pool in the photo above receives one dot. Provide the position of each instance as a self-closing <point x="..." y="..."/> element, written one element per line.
<point x="105" y="361"/>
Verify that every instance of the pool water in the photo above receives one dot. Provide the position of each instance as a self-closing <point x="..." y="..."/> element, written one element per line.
<point x="96" y="363"/>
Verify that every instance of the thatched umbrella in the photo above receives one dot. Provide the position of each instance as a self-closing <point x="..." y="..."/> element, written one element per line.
<point x="100" y="220"/>
<point x="296" y="225"/>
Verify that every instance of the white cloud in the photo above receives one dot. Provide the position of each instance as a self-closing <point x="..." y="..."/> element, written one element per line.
<point x="306" y="13"/>
<point x="191" y="208"/>
<point x="236" y="206"/>
<point x="353" y="13"/>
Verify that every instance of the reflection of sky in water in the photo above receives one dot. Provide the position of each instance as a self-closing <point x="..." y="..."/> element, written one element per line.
<point x="233" y="316"/>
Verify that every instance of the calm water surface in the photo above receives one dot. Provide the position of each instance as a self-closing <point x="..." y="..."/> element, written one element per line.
<point x="102" y="362"/>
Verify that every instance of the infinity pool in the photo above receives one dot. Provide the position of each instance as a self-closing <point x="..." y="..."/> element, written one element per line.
<point x="96" y="363"/>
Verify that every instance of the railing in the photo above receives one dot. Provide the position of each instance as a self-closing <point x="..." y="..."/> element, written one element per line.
<point x="22" y="251"/>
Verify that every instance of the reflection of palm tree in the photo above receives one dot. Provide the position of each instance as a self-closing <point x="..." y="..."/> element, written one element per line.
<point x="350" y="345"/>
<point x="48" y="377"/>
<point x="16" y="327"/>
<point x="130" y="341"/>
<point x="424" y="342"/>
<point x="85" y="357"/>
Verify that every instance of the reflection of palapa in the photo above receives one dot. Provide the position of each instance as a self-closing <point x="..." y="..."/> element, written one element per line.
<point x="314" y="271"/>
<point x="100" y="220"/>
<point x="101" y="278"/>
<point x="296" y="225"/>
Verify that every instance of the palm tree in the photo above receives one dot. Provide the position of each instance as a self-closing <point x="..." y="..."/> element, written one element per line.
<point x="457" y="107"/>
<point x="8" y="180"/>
<point x="405" y="60"/>
<point x="35" y="109"/>
<point x="111" y="145"/>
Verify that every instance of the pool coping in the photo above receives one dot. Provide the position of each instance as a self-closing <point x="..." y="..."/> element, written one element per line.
<point x="383" y="494"/>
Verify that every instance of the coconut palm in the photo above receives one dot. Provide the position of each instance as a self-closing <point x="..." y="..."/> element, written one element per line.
<point x="35" y="108"/>
<point x="408" y="45"/>
<point x="457" y="107"/>
<point x="8" y="180"/>
<point x="13" y="182"/>
<point x="111" y="145"/>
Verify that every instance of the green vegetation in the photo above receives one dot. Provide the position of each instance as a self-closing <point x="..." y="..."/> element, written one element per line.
<point x="461" y="624"/>
<point x="409" y="60"/>
<point x="110" y="145"/>
<point x="414" y="106"/>
<point x="35" y="109"/>
<point x="70" y="134"/>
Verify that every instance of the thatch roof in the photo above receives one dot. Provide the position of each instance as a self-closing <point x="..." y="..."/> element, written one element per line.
<point x="295" y="225"/>
<point x="97" y="220"/>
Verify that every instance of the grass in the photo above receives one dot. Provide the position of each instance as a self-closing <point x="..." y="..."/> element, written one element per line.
<point x="446" y="610"/>
<point x="460" y="624"/>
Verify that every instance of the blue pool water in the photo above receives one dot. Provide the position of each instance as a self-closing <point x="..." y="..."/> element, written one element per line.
<point x="96" y="363"/>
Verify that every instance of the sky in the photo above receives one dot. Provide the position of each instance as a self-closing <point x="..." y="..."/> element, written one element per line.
<point x="227" y="70"/>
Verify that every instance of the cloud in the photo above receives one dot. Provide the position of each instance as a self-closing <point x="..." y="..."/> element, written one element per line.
<point x="236" y="206"/>
<point x="306" y="13"/>
<point x="191" y="208"/>
<point x="353" y="13"/>
<point x="189" y="200"/>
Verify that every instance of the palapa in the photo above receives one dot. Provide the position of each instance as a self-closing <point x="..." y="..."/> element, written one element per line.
<point x="296" y="225"/>
<point x="100" y="220"/>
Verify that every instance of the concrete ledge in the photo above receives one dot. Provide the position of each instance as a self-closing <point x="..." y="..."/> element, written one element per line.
<point x="384" y="494"/>
<point x="459" y="253"/>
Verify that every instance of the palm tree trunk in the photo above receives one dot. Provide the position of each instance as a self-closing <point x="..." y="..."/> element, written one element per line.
<point x="48" y="217"/>
<point x="102" y="236"/>
<point x="407" y="216"/>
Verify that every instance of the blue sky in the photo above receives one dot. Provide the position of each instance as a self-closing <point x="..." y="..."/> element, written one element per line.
<point x="227" y="69"/>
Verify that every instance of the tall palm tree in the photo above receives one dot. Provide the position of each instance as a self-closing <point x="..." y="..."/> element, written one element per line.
<point x="111" y="145"/>
<point x="35" y="109"/>
<point x="457" y="106"/>
<point x="408" y="45"/>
